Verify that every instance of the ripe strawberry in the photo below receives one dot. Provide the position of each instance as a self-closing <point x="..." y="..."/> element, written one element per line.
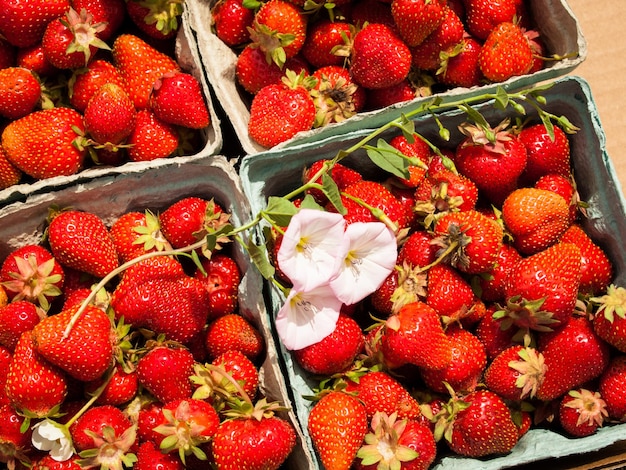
<point x="140" y="65"/>
<point x="516" y="373"/>
<point x="24" y="24"/>
<point x="596" y="267"/>
<point x="156" y="20"/>
<point x="565" y="186"/>
<point x="17" y="317"/>
<point x="48" y="463"/>
<point x="177" y="98"/>
<point x="341" y="175"/>
<point x="493" y="158"/>
<point x="415" y="336"/>
<point x="417" y="19"/>
<point x="121" y="388"/>
<point x="416" y="148"/>
<point x="187" y="220"/>
<point x="449" y="293"/>
<point x="459" y="64"/>
<point x="136" y="233"/>
<point x="546" y="154"/>
<point x="279" y="30"/>
<point x="405" y="90"/>
<point x="335" y="95"/>
<point x="149" y="457"/>
<point x="95" y="420"/>
<point x="582" y="412"/>
<point x="506" y="53"/>
<point x="110" y="116"/>
<point x="481" y="426"/>
<point x="5" y="359"/>
<point x="111" y="13"/>
<point x="609" y="319"/>
<point x="15" y="444"/>
<point x="371" y="11"/>
<point x="20" y="92"/>
<point x="156" y="293"/>
<point x="272" y="120"/>
<point x="337" y="425"/>
<point x="417" y="249"/>
<point x="491" y="283"/>
<point x="85" y="82"/>
<point x="541" y="290"/>
<point x="231" y="20"/>
<point x="375" y="195"/>
<point x="449" y="33"/>
<point x="80" y="240"/>
<point x="221" y="278"/>
<point x="573" y="355"/>
<point x="9" y="173"/>
<point x="233" y="331"/>
<point x="494" y="333"/>
<point x="482" y="16"/>
<point x="336" y="352"/>
<point x="33" y="59"/>
<point x="42" y="144"/>
<point x="536" y="218"/>
<point x="327" y="42"/>
<point x="611" y="388"/>
<point x="33" y="384"/>
<point x="165" y="371"/>
<point x="237" y="365"/>
<point x="151" y="138"/>
<point x="379" y="58"/>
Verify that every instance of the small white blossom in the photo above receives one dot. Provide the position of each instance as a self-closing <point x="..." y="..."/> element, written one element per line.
<point x="54" y="438"/>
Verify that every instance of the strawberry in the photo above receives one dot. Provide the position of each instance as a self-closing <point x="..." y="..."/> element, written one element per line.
<point x="482" y="16"/>
<point x="374" y="194"/>
<point x="151" y="138"/>
<point x="494" y="333"/>
<point x="187" y="220"/>
<point x="20" y="92"/>
<point x="148" y="417"/>
<point x="156" y="293"/>
<point x="506" y="53"/>
<point x="417" y="19"/>
<point x="337" y="425"/>
<point x="136" y="233"/>
<point x="546" y="153"/>
<point x="24" y="24"/>
<point x="536" y="218"/>
<point x="611" y="388"/>
<point x="272" y="119"/>
<point x="493" y="158"/>
<point x="165" y="370"/>
<point x="341" y="175"/>
<point x="582" y="412"/>
<point x="237" y="365"/>
<point x="379" y="57"/>
<point x="80" y="240"/>
<point x="417" y="249"/>
<point x="443" y="281"/>
<point x="14" y="444"/>
<point x="470" y="240"/>
<point x="9" y="173"/>
<point x="371" y="11"/>
<point x="516" y="373"/>
<point x="16" y="318"/>
<point x="231" y="20"/>
<point x="33" y="59"/>
<point x="121" y="388"/>
<point x="405" y="90"/>
<point x="449" y="33"/>
<point x="95" y="420"/>
<point x="5" y="359"/>
<point x="84" y="349"/>
<point x="140" y="65"/>
<point x="477" y="425"/>
<point x="609" y="319"/>
<point x="34" y="385"/>
<point x="221" y="278"/>
<point x="327" y="42"/>
<point x="111" y="13"/>
<point x="233" y="331"/>
<point x="110" y="116"/>
<point x="177" y="98"/>
<point x="414" y="335"/>
<point x="414" y="147"/>
<point x="596" y="267"/>
<point x="336" y="352"/>
<point x="48" y="463"/>
<point x="565" y="186"/>
<point x="156" y="19"/>
<point x="335" y="95"/>
<point x="149" y="457"/>
<point x="405" y="444"/>
<point x="71" y="41"/>
<point x="573" y="355"/>
<point x="31" y="273"/>
<point x="85" y="82"/>
<point x="43" y="144"/>
<point x="459" y="64"/>
<point x="279" y="30"/>
<point x="491" y="283"/>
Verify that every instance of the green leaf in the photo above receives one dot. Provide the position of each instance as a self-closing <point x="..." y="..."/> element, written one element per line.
<point x="389" y="159"/>
<point x="259" y="258"/>
<point x="502" y="98"/>
<point x="331" y="191"/>
<point x="549" y="125"/>
<point x="475" y="116"/>
<point x="280" y="210"/>
<point x="309" y="202"/>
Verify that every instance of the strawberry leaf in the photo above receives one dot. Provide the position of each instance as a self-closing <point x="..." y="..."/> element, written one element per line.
<point x="388" y="158"/>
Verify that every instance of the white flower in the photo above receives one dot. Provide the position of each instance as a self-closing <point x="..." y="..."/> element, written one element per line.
<point x="310" y="247"/>
<point x="307" y="317"/>
<point x="53" y="437"/>
<point x="370" y="257"/>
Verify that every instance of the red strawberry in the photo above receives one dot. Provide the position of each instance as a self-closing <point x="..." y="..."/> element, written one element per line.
<point x="231" y="20"/>
<point x="327" y="42"/>
<point x="610" y="317"/>
<point x="136" y="233"/>
<point x="417" y="19"/>
<point x="165" y="371"/>
<point x="417" y="249"/>
<point x="491" y="283"/>
<point x="43" y="144"/>
<point x="506" y="53"/>
<point x="493" y="158"/>
<point x="9" y="173"/>
<point x="574" y="355"/>
<point x="121" y="388"/>
<point x="379" y="58"/>
<point x="536" y="218"/>
<point x="109" y="12"/>
<point x="516" y="373"/>
<point x="48" y="463"/>
<point x="341" y="175"/>
<point x="449" y="33"/>
<point x="14" y="443"/>
<point x="582" y="412"/>
<point x="110" y="116"/>
<point x="565" y="186"/>
<point x="33" y="384"/>
<point x="150" y="457"/>
<point x="336" y="352"/>
<point x="86" y="81"/>
<point x="449" y="293"/>
<point x="371" y="11"/>
<point x="415" y="147"/>
<point x="221" y="278"/>
<point x="414" y="335"/>
<point x="546" y="154"/>
<point x="20" y="92"/>
<point x="337" y="425"/>
<point x="233" y="332"/>
<point x="33" y="59"/>
<point x="24" y="24"/>
<point x="237" y="365"/>
<point x="140" y="66"/>
<point x="151" y="138"/>
<point x="95" y="420"/>
<point x="156" y="20"/>
<point x="272" y="119"/>
<point x="405" y="90"/>
<point x="177" y="98"/>
<point x="335" y="95"/>
<point x="611" y="387"/>
<point x="459" y="64"/>
<point x="16" y="318"/>
<point x="5" y="360"/>
<point x="482" y="16"/>
<point x="187" y="220"/>
<point x="81" y="241"/>
<point x="494" y="333"/>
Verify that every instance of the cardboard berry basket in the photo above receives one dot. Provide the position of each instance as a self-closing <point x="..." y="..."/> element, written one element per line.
<point x="188" y="57"/>
<point x="554" y="20"/>
<point x="276" y="172"/>
<point x="155" y="189"/>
